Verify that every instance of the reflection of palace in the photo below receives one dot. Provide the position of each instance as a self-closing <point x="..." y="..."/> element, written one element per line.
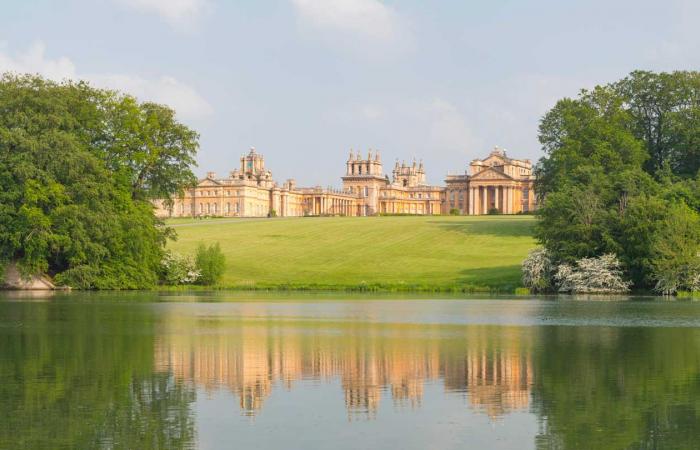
<point x="494" y="183"/>
<point x="496" y="377"/>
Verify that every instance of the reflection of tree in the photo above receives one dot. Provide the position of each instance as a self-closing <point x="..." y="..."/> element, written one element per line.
<point x="81" y="376"/>
<point x="618" y="388"/>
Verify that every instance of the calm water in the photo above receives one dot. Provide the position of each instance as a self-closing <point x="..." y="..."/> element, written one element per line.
<point x="224" y="371"/>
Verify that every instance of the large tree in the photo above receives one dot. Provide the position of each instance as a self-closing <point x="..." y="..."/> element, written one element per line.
<point x="618" y="160"/>
<point x="78" y="166"/>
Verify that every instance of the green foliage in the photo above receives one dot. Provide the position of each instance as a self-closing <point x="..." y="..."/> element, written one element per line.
<point x="454" y="212"/>
<point x="210" y="262"/>
<point x="77" y="170"/>
<point x="676" y="250"/>
<point x="618" y="160"/>
<point x="494" y="211"/>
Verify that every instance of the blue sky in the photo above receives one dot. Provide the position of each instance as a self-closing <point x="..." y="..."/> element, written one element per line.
<point x="306" y="80"/>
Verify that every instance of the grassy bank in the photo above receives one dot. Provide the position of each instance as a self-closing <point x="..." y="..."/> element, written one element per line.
<point x="366" y="253"/>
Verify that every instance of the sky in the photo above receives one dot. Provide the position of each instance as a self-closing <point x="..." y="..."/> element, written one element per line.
<point x="305" y="81"/>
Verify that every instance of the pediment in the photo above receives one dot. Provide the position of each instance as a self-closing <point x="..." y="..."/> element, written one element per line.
<point x="490" y="173"/>
<point x="208" y="182"/>
<point x="494" y="160"/>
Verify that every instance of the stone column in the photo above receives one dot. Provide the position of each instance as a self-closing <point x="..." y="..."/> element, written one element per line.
<point x="510" y="199"/>
<point x="496" y="200"/>
<point x="472" y="208"/>
<point x="484" y="199"/>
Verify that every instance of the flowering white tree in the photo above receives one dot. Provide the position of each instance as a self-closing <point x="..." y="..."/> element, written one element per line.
<point x="601" y="275"/>
<point x="178" y="269"/>
<point x="537" y="270"/>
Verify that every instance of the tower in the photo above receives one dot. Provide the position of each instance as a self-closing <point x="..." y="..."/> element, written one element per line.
<point x="365" y="177"/>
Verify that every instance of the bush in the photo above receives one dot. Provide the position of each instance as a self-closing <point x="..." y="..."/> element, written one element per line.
<point x="454" y="212"/>
<point x="537" y="270"/>
<point x="494" y="211"/>
<point x="272" y="213"/>
<point x="177" y="269"/>
<point x="601" y="275"/>
<point x="210" y="262"/>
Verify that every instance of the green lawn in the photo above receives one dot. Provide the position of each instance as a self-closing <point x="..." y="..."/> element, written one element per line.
<point x="422" y="253"/>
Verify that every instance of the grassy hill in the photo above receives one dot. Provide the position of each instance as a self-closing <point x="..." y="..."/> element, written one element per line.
<point x="402" y="253"/>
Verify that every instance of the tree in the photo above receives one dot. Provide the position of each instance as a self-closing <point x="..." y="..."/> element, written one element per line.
<point x="68" y="204"/>
<point x="150" y="147"/>
<point x="618" y="159"/>
<point x="665" y="108"/>
<point x="537" y="270"/>
<point x="210" y="262"/>
<point x="676" y="250"/>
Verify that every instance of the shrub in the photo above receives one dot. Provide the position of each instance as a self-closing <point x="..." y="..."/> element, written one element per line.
<point x="601" y="275"/>
<point x="177" y="269"/>
<point x="454" y="212"/>
<point x="272" y="213"/>
<point x="210" y="262"/>
<point x="537" y="270"/>
<point x="494" y="211"/>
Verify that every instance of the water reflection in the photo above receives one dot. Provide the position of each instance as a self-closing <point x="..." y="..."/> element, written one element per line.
<point x="490" y="366"/>
<point x="546" y="375"/>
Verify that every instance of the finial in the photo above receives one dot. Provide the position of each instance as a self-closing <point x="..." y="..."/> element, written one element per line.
<point x="351" y="154"/>
<point x="369" y="155"/>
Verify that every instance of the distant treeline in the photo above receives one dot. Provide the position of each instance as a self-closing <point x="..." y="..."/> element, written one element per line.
<point x="620" y="176"/>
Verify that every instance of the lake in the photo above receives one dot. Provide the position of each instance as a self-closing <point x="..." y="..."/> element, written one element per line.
<point x="293" y="371"/>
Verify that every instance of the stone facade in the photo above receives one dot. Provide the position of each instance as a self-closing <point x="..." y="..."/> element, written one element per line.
<point x="494" y="183"/>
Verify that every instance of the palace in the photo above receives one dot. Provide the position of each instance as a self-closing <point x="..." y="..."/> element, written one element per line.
<point x="496" y="184"/>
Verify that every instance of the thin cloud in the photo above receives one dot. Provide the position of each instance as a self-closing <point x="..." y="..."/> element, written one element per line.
<point x="181" y="14"/>
<point x="165" y="89"/>
<point x="368" y="19"/>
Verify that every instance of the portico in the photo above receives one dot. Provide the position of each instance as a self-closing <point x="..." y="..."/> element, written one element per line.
<point x="494" y="184"/>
